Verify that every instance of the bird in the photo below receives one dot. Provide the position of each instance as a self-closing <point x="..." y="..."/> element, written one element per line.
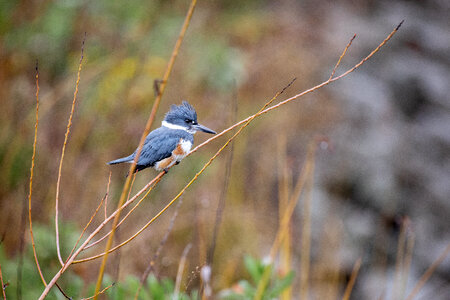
<point x="170" y="143"/>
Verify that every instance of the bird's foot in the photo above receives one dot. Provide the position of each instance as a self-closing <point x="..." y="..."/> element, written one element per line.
<point x="166" y="170"/>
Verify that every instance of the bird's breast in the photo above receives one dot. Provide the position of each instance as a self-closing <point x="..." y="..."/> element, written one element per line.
<point x="182" y="149"/>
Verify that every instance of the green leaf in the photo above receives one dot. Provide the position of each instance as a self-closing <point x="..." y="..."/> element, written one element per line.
<point x="253" y="267"/>
<point x="280" y="285"/>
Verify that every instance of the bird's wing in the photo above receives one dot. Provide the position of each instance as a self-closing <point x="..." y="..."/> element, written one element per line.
<point x="156" y="148"/>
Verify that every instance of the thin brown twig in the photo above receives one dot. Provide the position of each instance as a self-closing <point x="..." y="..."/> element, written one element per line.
<point x="180" y="271"/>
<point x="342" y="56"/>
<point x="131" y="186"/>
<point x="66" y="137"/>
<point x="101" y="292"/>
<point x="62" y="292"/>
<point x="305" y="259"/>
<point x="428" y="273"/>
<point x="31" y="178"/>
<point x="408" y="260"/>
<point x="283" y="198"/>
<point x="107" y="194"/>
<point x="351" y="282"/>
<point x="223" y="195"/>
<point x="144" y="135"/>
<point x="3" y="285"/>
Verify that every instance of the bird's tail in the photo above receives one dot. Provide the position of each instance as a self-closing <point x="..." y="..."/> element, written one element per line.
<point x="121" y="160"/>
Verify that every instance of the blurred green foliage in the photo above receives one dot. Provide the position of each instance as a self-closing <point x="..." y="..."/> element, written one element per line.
<point x="74" y="286"/>
<point x="31" y="284"/>
<point x="247" y="289"/>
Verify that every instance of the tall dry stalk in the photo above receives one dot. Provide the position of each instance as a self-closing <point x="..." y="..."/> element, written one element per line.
<point x="30" y="193"/>
<point x="351" y="282"/>
<point x="150" y="120"/>
<point x="419" y="285"/>
<point x="66" y="137"/>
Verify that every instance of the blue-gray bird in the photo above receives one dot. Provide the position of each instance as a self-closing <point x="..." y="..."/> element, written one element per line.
<point x="170" y="143"/>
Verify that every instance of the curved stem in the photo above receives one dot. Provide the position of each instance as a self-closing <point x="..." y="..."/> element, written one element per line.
<point x="58" y="183"/>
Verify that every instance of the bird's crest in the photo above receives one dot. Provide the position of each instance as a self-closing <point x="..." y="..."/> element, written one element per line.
<point x="181" y="112"/>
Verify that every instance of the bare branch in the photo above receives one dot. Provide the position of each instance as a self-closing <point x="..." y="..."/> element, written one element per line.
<point x="342" y="55"/>
<point x="69" y="124"/>
<point x="3" y="285"/>
<point x="107" y="194"/>
<point x="428" y="273"/>
<point x="180" y="271"/>
<point x="31" y="177"/>
<point x="101" y="292"/>
<point x="351" y="282"/>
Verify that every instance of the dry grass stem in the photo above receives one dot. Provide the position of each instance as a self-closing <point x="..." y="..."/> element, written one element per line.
<point x="287" y="215"/>
<point x="62" y="292"/>
<point x="3" y="285"/>
<point x="101" y="292"/>
<point x="69" y="124"/>
<point x="180" y="271"/>
<point x="107" y="194"/>
<point x="283" y="199"/>
<point x="223" y="195"/>
<point x="306" y="228"/>
<point x="31" y="178"/>
<point x="428" y="273"/>
<point x="407" y="264"/>
<point x="144" y="134"/>
<point x="342" y="56"/>
<point x="351" y="282"/>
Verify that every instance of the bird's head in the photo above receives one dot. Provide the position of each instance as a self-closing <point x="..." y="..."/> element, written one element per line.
<point x="184" y="117"/>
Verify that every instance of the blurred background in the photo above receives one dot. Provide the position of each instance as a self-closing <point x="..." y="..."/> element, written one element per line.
<point x="387" y="161"/>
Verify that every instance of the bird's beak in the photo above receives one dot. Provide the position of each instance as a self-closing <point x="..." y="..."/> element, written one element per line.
<point x="200" y="127"/>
